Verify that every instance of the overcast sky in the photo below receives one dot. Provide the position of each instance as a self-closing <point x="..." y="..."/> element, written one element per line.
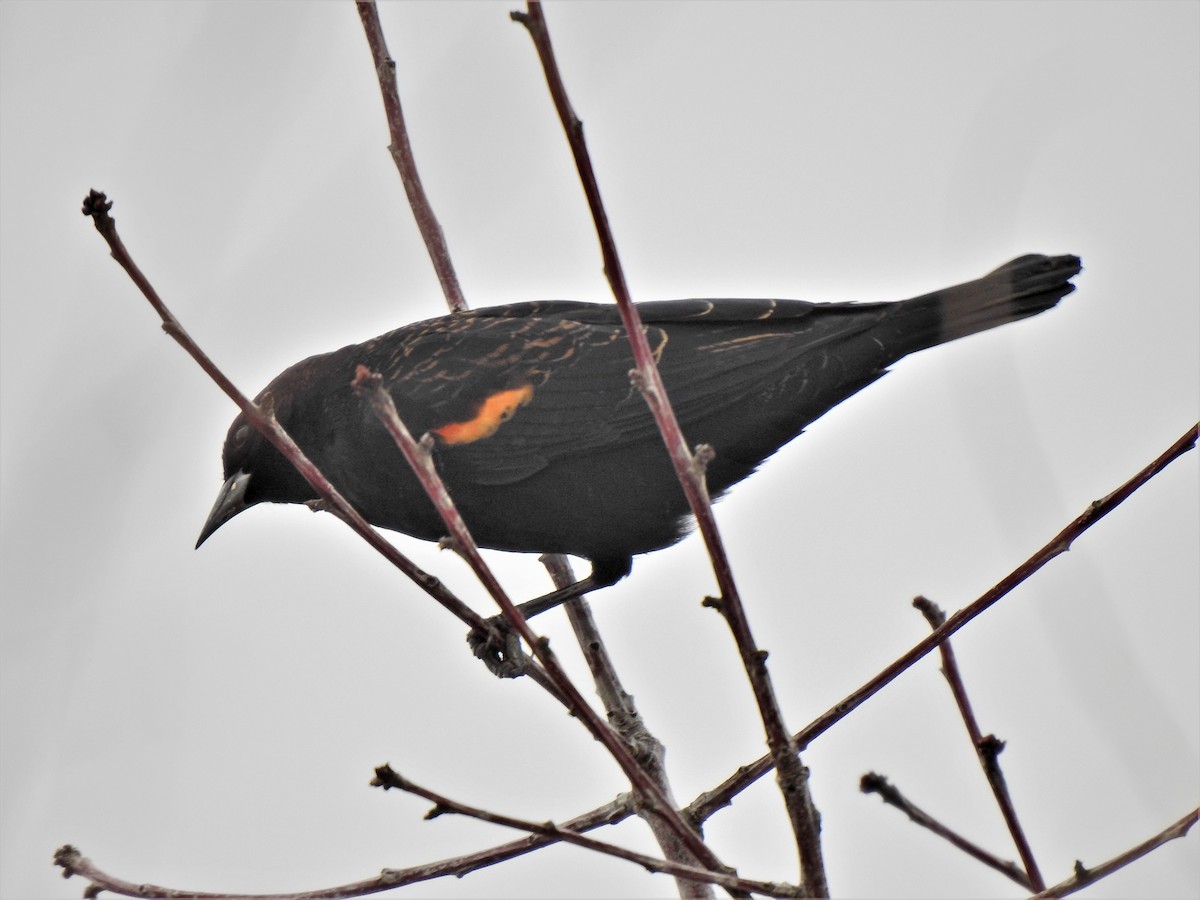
<point x="209" y="720"/>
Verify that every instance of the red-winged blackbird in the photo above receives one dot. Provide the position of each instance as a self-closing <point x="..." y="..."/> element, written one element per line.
<point x="539" y="435"/>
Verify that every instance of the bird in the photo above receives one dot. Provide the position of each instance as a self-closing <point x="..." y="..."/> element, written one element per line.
<point x="543" y="441"/>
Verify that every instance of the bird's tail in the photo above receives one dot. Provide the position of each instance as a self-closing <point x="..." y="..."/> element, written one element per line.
<point x="1024" y="287"/>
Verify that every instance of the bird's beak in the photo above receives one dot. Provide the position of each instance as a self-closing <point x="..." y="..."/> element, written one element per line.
<point x="230" y="502"/>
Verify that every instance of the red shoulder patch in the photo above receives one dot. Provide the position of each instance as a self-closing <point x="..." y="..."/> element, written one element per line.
<point x="492" y="412"/>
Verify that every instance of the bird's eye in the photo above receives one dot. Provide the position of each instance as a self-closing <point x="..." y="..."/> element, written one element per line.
<point x="241" y="434"/>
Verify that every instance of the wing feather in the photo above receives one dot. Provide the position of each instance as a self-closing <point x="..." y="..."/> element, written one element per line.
<point x="716" y="357"/>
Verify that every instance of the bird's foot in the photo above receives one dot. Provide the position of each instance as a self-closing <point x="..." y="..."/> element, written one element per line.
<point x="499" y="646"/>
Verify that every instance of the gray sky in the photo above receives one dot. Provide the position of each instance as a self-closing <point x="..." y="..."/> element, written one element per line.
<point x="209" y="720"/>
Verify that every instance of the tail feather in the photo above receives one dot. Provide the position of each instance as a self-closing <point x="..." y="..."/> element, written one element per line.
<point x="1024" y="287"/>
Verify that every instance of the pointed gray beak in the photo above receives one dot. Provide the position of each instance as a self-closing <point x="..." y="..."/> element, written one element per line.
<point x="230" y="502"/>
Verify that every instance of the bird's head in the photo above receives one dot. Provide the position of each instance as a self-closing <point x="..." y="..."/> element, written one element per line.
<point x="255" y="472"/>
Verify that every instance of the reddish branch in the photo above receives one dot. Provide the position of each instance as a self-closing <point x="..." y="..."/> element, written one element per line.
<point x="401" y="149"/>
<point x="1084" y="876"/>
<point x="419" y="458"/>
<point x="705" y="805"/>
<point x="97" y="206"/>
<point x="872" y="783"/>
<point x="604" y="676"/>
<point x="791" y="774"/>
<point x="624" y="718"/>
<point x="386" y="777"/>
<point x="73" y="863"/>
<point x="986" y="748"/>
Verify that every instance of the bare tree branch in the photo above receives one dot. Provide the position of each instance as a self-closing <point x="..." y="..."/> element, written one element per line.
<point x="617" y="702"/>
<point x="401" y="149"/>
<point x="387" y="777"/>
<point x="709" y="802"/>
<point x="624" y="717"/>
<point x="873" y="783"/>
<point x="790" y="772"/>
<point x="97" y="206"/>
<point x="986" y="748"/>
<point x="419" y="458"/>
<point x="1084" y="876"/>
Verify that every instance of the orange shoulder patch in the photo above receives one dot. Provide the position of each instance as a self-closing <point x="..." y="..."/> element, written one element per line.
<point x="494" y="411"/>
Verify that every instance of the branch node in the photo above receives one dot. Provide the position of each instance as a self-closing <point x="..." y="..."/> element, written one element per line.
<point x="68" y="856"/>
<point x="266" y="405"/>
<point x="990" y="747"/>
<point x="387" y="778"/>
<point x="934" y="614"/>
<point x="365" y="380"/>
<point x="703" y="455"/>
<point x="874" y="783"/>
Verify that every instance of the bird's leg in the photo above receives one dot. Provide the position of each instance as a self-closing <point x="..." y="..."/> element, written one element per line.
<point x="506" y="659"/>
<point x="539" y="605"/>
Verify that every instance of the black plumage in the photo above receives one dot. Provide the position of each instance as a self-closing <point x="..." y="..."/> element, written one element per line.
<point x="539" y="435"/>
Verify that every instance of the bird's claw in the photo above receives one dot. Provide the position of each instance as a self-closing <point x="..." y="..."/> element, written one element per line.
<point x="499" y="647"/>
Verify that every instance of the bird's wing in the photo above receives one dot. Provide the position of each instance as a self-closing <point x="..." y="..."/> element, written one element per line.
<point x="507" y="395"/>
<point x="478" y="383"/>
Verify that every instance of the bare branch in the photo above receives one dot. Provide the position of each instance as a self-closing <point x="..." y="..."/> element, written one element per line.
<point x="791" y="774"/>
<point x="611" y="813"/>
<point x="876" y="784"/>
<point x="401" y="150"/>
<point x="586" y="633"/>
<point x="986" y="748"/>
<point x="74" y="863"/>
<point x="709" y="802"/>
<point x="624" y="717"/>
<point x="97" y="206"/>
<point x="1084" y="876"/>
<point x="386" y="777"/>
<point x="658" y="804"/>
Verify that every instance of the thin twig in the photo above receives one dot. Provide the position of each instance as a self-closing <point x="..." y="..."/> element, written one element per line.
<point x="74" y="863"/>
<point x="791" y="774"/>
<point x="876" y="784"/>
<point x="418" y="457"/>
<point x="617" y="702"/>
<point x="97" y="206"/>
<point x="1084" y="876"/>
<point x="386" y="777"/>
<point x="710" y="801"/>
<point x="588" y="636"/>
<point x="624" y="717"/>
<point x="611" y="813"/>
<point x="401" y="150"/>
<point x="987" y="749"/>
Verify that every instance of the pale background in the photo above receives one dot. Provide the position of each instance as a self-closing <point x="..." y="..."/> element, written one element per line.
<point x="209" y="720"/>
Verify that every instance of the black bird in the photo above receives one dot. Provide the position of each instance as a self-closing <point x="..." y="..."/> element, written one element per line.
<point x="543" y="442"/>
